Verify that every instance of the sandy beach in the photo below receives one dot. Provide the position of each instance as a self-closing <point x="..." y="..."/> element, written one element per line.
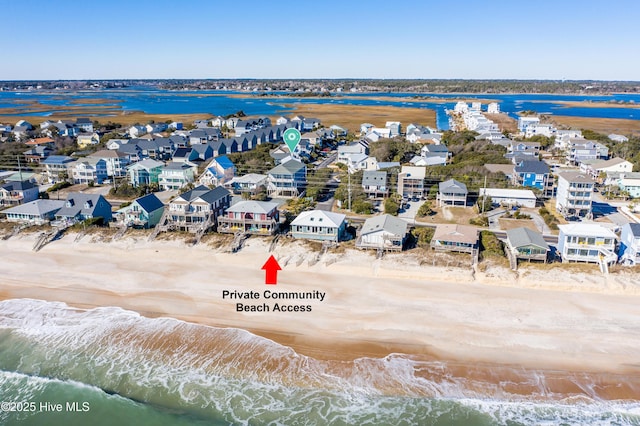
<point x="532" y="319"/>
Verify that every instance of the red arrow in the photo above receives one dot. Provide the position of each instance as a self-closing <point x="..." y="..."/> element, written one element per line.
<point x="271" y="267"/>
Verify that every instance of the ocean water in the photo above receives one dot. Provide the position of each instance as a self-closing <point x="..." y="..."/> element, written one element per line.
<point x="111" y="366"/>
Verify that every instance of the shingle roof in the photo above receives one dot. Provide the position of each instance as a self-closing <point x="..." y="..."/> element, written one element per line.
<point x="319" y="218"/>
<point x="536" y="166"/>
<point x="78" y="202"/>
<point x="456" y="233"/>
<point x="57" y="159"/>
<point x="452" y="185"/>
<point x="253" y="207"/>
<point x="290" y="167"/>
<point x="519" y="237"/>
<point x="203" y="192"/>
<point x="150" y="203"/>
<point x="19" y="185"/>
<point x="389" y="223"/>
<point x="374" y="178"/>
<point x="36" y="207"/>
<point x="576" y="177"/>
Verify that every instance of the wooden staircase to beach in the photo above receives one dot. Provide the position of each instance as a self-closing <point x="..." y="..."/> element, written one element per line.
<point x="160" y="226"/>
<point x="121" y="231"/>
<point x="203" y="229"/>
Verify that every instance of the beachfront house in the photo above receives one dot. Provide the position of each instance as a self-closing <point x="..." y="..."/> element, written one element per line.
<point x="18" y="192"/>
<point x="526" y="244"/>
<point x="175" y="175"/>
<point x="251" y="217"/>
<point x="574" y="194"/>
<point x="319" y="225"/>
<point x="79" y="207"/>
<point x="374" y="183"/>
<point x="219" y="171"/>
<point x="452" y="193"/>
<point x="629" y="252"/>
<point x="411" y="181"/>
<point x="384" y="232"/>
<point x="56" y="167"/>
<point x="287" y="179"/>
<point x="459" y="238"/>
<point x="197" y="209"/>
<point x="586" y="242"/>
<point x="145" y="172"/>
<point x="144" y="212"/>
<point x="37" y="212"/>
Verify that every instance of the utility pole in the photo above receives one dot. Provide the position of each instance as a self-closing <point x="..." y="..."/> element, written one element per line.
<point x="484" y="194"/>
<point x="349" y="187"/>
<point x="19" y="168"/>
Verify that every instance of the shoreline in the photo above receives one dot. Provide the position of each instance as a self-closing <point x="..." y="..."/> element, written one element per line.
<point x="373" y="308"/>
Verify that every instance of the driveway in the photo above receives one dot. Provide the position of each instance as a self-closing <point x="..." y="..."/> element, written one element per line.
<point x="410" y="214"/>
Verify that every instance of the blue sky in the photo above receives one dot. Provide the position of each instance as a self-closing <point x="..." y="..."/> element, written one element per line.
<point x="499" y="39"/>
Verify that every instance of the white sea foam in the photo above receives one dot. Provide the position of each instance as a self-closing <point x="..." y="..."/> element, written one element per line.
<point x="249" y="378"/>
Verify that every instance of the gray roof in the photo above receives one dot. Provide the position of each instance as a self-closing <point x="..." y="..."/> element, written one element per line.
<point x="36" y="207"/>
<point x="19" y="185"/>
<point x="452" y="186"/>
<point x="208" y="195"/>
<point x="635" y="229"/>
<point x="520" y="237"/>
<point x="576" y="177"/>
<point x="436" y="148"/>
<point x="389" y="223"/>
<point x="374" y="178"/>
<point x="535" y="166"/>
<point x="290" y="167"/>
<point x="253" y="206"/>
<point x="78" y="204"/>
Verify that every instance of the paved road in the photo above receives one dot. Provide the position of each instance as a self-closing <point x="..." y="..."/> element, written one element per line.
<point x="330" y="159"/>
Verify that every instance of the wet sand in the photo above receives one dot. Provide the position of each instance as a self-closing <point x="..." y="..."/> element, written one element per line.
<point x="494" y="327"/>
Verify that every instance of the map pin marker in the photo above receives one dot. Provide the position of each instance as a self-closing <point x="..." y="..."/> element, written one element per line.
<point x="291" y="138"/>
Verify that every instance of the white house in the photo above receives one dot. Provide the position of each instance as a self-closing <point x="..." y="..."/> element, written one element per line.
<point x="319" y="225"/>
<point x="630" y="244"/>
<point x="493" y="108"/>
<point x="510" y="197"/>
<point x="618" y="138"/>
<point x="384" y="232"/>
<point x="526" y="121"/>
<point x="586" y="242"/>
<point x="573" y="195"/>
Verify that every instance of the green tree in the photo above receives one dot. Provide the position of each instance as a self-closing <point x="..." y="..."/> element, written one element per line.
<point x="484" y="203"/>
<point x="426" y="209"/>
<point x="391" y="206"/>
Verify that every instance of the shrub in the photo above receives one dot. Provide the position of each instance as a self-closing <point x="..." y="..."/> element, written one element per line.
<point x="391" y="207"/>
<point x="422" y="236"/>
<point x="58" y="186"/>
<point x="425" y="209"/>
<point x="490" y="244"/>
<point x="481" y="220"/>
